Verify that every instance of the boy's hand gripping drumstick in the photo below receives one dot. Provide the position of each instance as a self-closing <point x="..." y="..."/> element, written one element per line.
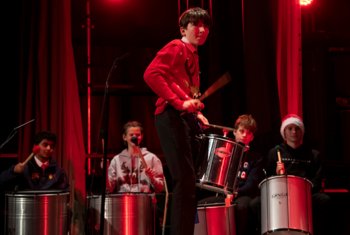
<point x="280" y="165"/>
<point x="35" y="150"/>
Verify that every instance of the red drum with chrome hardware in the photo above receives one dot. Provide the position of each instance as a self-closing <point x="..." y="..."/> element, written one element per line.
<point x="127" y="213"/>
<point x="37" y="212"/>
<point x="286" y="206"/>
<point x="222" y="157"/>
<point x="215" y="219"/>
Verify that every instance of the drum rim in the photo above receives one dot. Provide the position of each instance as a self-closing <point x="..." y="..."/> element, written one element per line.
<point x="37" y="192"/>
<point x="214" y="206"/>
<point x="109" y="195"/>
<point x="284" y="176"/>
<point x="286" y="229"/>
<point x="217" y="136"/>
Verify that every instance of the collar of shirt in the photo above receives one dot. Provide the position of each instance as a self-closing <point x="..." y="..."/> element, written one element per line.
<point x="41" y="163"/>
<point x="192" y="48"/>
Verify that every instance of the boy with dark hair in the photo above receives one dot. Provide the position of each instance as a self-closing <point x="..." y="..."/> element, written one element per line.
<point x="39" y="171"/>
<point x="174" y="76"/>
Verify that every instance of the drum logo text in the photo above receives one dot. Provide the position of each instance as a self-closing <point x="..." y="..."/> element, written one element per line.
<point x="222" y="152"/>
<point x="279" y="195"/>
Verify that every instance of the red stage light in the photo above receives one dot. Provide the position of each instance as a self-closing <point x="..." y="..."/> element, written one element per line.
<point x="305" y="2"/>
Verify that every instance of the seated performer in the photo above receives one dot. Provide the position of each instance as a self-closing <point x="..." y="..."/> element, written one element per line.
<point x="135" y="169"/>
<point x="249" y="175"/>
<point x="38" y="172"/>
<point x="301" y="160"/>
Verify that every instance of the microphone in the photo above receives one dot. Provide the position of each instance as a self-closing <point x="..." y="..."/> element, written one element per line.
<point x="135" y="140"/>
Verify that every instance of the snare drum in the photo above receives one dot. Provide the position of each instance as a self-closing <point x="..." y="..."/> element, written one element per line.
<point x="124" y="214"/>
<point x="286" y="206"/>
<point x="222" y="157"/>
<point x="37" y="212"/>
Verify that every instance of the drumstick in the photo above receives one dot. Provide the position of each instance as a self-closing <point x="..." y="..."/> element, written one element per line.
<point x="220" y="127"/>
<point x="28" y="158"/>
<point x="135" y="141"/>
<point x="279" y="155"/>
<point x="35" y="150"/>
<point x="143" y="160"/>
<point x="281" y="171"/>
<point x="222" y="81"/>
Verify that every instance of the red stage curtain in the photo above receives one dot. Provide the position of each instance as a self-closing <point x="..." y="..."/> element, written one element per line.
<point x="288" y="56"/>
<point x="49" y="89"/>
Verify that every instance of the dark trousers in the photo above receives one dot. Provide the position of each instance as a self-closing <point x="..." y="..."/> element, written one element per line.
<point x="175" y="138"/>
<point x="247" y="222"/>
<point x="321" y="213"/>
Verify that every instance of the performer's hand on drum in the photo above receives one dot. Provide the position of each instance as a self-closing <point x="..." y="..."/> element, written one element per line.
<point x="193" y="105"/>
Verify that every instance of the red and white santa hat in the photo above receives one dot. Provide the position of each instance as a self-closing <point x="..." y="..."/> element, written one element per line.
<point x="292" y="119"/>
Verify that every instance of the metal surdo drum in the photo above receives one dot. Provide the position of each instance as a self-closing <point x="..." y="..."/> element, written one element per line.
<point x="37" y="212"/>
<point x="221" y="159"/>
<point x="215" y="219"/>
<point x="286" y="206"/>
<point x="127" y="213"/>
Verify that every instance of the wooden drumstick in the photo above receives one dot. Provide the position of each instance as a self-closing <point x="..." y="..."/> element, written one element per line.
<point x="28" y="158"/>
<point x="36" y="149"/>
<point x="135" y="141"/>
<point x="281" y="171"/>
<point x="220" y="127"/>
<point x="222" y="81"/>
<point x="143" y="160"/>
<point x="279" y="155"/>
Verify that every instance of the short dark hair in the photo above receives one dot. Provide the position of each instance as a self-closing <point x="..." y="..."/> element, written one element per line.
<point x="247" y="121"/>
<point x="44" y="135"/>
<point x="194" y="15"/>
<point x="132" y="124"/>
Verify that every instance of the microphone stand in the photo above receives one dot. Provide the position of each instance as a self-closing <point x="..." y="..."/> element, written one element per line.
<point x="14" y="132"/>
<point x="104" y="134"/>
